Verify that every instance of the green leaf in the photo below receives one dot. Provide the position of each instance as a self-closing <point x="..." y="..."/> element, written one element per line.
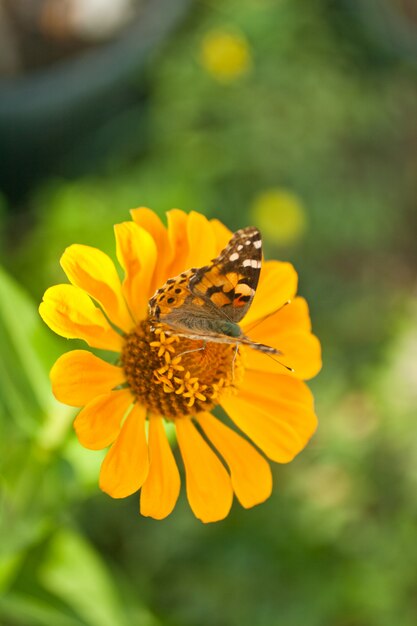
<point x="22" y="609"/>
<point x="26" y="354"/>
<point x="9" y="565"/>
<point x="76" y="574"/>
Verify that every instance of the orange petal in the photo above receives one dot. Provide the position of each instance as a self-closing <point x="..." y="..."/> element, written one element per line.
<point x="69" y="312"/>
<point x="300" y="350"/>
<point x="201" y="240"/>
<point x="78" y="377"/>
<point x="192" y="240"/>
<point x="150" y="221"/>
<point x="136" y="251"/>
<point x="293" y="316"/>
<point x="250" y="472"/>
<point x="277" y="284"/>
<point x="276" y="412"/>
<point x="125" y="467"/>
<point x="98" y="424"/>
<point x="269" y="386"/>
<point x="161" y="488"/>
<point x="209" y="489"/>
<point x="92" y="270"/>
<point x="288" y="330"/>
<point x="222" y="234"/>
<point x="177" y="234"/>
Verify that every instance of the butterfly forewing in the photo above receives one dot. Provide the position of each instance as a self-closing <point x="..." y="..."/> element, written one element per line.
<point x="229" y="282"/>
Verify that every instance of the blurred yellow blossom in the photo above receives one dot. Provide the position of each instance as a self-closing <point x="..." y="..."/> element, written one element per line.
<point x="280" y="215"/>
<point x="226" y="56"/>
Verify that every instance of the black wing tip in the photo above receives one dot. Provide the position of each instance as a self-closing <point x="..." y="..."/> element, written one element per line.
<point x="248" y="230"/>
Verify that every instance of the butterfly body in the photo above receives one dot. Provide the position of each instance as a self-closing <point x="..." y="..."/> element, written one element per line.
<point x="207" y="303"/>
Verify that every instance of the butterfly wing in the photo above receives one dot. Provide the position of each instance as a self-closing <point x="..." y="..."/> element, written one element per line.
<point x="210" y="301"/>
<point x="229" y="282"/>
<point x="174" y="294"/>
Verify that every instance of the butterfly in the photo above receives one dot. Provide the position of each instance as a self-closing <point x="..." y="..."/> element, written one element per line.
<point x="207" y="303"/>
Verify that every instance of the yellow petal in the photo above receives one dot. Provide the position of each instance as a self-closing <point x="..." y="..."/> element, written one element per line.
<point x="161" y="488"/>
<point x="98" y="424"/>
<point x="222" y="234"/>
<point x="150" y="221"/>
<point x="201" y="240"/>
<point x="69" y="312"/>
<point x="78" y="377"/>
<point x="275" y="411"/>
<point x="136" y="251"/>
<point x="250" y="472"/>
<point x="277" y="284"/>
<point x="92" y="270"/>
<point x="209" y="489"/>
<point x="125" y="467"/>
<point x="177" y="234"/>
<point x="192" y="240"/>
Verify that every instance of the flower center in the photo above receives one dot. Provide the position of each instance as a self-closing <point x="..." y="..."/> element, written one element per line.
<point x="175" y="376"/>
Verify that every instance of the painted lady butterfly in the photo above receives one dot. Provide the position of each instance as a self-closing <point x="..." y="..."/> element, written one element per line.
<point x="207" y="303"/>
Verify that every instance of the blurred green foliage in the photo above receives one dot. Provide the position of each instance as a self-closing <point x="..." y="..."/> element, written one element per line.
<point x="328" y="116"/>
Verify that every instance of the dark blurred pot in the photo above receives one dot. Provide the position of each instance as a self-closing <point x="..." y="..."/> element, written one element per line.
<point x="45" y="114"/>
<point x="391" y="23"/>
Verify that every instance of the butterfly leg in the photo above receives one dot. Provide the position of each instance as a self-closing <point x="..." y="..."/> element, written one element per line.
<point x="233" y="362"/>
<point x="203" y="347"/>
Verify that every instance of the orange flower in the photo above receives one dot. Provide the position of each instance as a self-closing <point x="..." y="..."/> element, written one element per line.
<point x="157" y="377"/>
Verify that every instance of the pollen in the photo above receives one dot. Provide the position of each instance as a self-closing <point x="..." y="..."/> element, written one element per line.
<point x="175" y="376"/>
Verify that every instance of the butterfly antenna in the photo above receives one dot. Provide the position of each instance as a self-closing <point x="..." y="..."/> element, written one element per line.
<point x="287" y="367"/>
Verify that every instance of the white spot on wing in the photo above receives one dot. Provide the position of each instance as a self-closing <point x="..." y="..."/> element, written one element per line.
<point x="257" y="243"/>
<point x="234" y="256"/>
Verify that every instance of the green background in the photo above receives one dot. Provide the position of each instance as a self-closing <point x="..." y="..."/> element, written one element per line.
<point x="326" y="112"/>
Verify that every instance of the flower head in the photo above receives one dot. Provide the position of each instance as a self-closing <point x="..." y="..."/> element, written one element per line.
<point x="159" y="375"/>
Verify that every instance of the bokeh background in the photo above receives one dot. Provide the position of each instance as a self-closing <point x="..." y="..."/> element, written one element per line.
<point x="299" y="117"/>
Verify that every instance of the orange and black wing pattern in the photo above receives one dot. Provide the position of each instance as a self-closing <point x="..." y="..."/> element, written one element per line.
<point x="229" y="282"/>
